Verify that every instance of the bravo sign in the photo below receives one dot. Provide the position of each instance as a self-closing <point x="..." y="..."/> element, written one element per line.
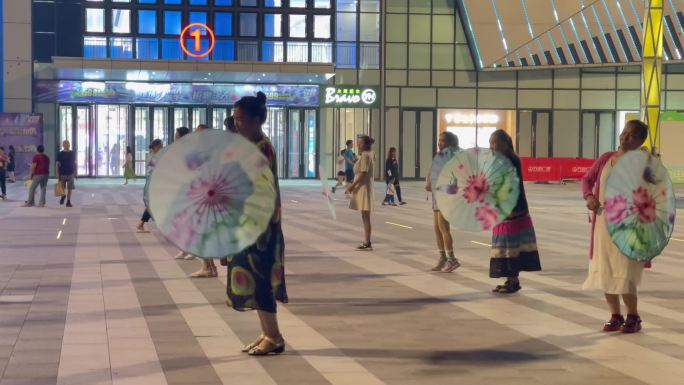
<point x="347" y="96"/>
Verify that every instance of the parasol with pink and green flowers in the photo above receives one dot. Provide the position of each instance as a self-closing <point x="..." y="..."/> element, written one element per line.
<point x="640" y="206"/>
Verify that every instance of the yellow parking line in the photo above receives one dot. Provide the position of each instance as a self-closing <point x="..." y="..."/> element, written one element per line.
<point x="59" y="234"/>
<point x="398" y="225"/>
<point x="481" y="244"/>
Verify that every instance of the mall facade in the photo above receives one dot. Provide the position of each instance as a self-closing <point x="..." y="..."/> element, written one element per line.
<point x="561" y="77"/>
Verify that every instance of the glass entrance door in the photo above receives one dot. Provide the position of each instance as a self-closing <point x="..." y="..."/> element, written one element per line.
<point x="598" y="133"/>
<point x="112" y="138"/>
<point x="219" y="115"/>
<point x="85" y="141"/>
<point x="302" y="143"/>
<point x="141" y="134"/>
<point x="418" y="144"/>
<point x="535" y="134"/>
<point x="275" y="129"/>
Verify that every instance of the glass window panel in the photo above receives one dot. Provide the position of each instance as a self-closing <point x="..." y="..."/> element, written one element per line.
<point x="322" y="26"/>
<point x="370" y="27"/>
<point x="273" y="25"/>
<point x="198" y="2"/>
<point x="147" y="1"/>
<point x="397" y="28"/>
<point x="204" y="47"/>
<point x="297" y="3"/>
<point x="321" y="52"/>
<point x="247" y="51"/>
<point x="172" y="22"/>
<point x="370" y="5"/>
<point x="95" y="20"/>
<point x="346" y="5"/>
<point x="171" y="49"/>
<point x="223" y="3"/>
<point x="94" y="47"/>
<point x="224" y="50"/>
<point x="248" y="3"/>
<point x="121" y="1"/>
<point x="223" y="24"/>
<point x="443" y="29"/>
<point x="297" y="25"/>
<point x="198" y="17"/>
<point x="443" y="6"/>
<point x="370" y="55"/>
<point x="273" y="3"/>
<point x="322" y="4"/>
<point x="298" y="52"/>
<point x="147" y="21"/>
<point x="272" y="51"/>
<point x="420" y="6"/>
<point x="172" y="2"/>
<point x="442" y="56"/>
<point x="419" y="28"/>
<point x="121" y="20"/>
<point x="248" y="24"/>
<point x="396" y="55"/>
<point x="121" y="47"/>
<point x="399" y="6"/>
<point x="346" y="55"/>
<point x="346" y="26"/>
<point x="147" y="48"/>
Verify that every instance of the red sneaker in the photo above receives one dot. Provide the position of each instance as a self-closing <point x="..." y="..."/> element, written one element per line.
<point x="614" y="324"/>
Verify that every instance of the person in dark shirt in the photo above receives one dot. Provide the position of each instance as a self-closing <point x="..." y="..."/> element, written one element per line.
<point x="349" y="160"/>
<point x="66" y="171"/>
<point x="514" y="243"/>
<point x="4" y="161"/>
<point x="40" y="171"/>
<point x="392" y="172"/>
<point x="12" y="165"/>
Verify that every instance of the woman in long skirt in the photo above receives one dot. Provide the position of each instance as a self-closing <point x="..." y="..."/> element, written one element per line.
<point x="514" y="243"/>
<point x="256" y="277"/>
<point x="129" y="170"/>
<point x="609" y="270"/>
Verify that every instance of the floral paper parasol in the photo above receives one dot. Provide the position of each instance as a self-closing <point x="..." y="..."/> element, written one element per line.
<point x="326" y="192"/>
<point x="212" y="194"/>
<point x="477" y="189"/>
<point x="640" y="206"/>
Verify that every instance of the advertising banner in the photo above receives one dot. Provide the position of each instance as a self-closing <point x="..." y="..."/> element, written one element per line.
<point x="64" y="91"/>
<point x="554" y="169"/>
<point x="25" y="133"/>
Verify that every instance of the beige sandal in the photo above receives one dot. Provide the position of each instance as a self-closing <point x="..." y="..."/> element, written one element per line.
<point x="253" y="345"/>
<point x="276" y="347"/>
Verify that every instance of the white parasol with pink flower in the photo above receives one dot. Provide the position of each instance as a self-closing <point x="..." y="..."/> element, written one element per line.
<point x="212" y="194"/>
<point x="640" y="205"/>
<point x="477" y="189"/>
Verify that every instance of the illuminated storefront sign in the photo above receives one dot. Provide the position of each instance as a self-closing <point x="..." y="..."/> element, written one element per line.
<point x="473" y="128"/>
<point x="191" y="40"/>
<point x="349" y="96"/>
<point x="65" y="91"/>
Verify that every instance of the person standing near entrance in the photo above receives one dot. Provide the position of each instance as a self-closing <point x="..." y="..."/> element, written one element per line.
<point x="4" y="161"/>
<point x="65" y="169"/>
<point x="129" y="170"/>
<point x="11" y="165"/>
<point x="349" y="161"/>
<point x="392" y="172"/>
<point x="40" y="171"/>
<point x="361" y="190"/>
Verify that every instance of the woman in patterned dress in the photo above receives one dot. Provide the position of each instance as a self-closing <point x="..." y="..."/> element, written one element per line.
<point x="514" y="243"/>
<point x="256" y="275"/>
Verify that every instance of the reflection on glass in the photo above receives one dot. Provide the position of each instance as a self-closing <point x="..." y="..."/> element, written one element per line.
<point x="309" y="143"/>
<point x="199" y="116"/>
<point x="294" y="152"/>
<point x="94" y="20"/>
<point x="121" y="21"/>
<point x="272" y="25"/>
<point x="180" y="117"/>
<point x="297" y="25"/>
<point x="66" y="124"/>
<point x="142" y="123"/>
<point x="297" y="52"/>
<point x="275" y="131"/>
<point x="112" y="125"/>
<point x="85" y="140"/>
<point x="160" y="125"/>
<point x="322" y="26"/>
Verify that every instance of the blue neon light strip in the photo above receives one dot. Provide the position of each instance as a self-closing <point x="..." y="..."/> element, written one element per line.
<point x="472" y="34"/>
<point x="624" y="20"/>
<point x="612" y="24"/>
<point x="603" y="34"/>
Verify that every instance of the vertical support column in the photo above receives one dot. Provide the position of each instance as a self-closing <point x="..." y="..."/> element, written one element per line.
<point x="651" y="76"/>
<point x="17" y="55"/>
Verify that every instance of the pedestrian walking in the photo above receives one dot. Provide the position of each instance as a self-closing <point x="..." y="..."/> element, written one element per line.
<point x="361" y="190"/>
<point x="129" y="169"/>
<point x="392" y="172"/>
<point x="609" y="270"/>
<point x="447" y="145"/>
<point x="65" y="168"/>
<point x="40" y="171"/>
<point x="155" y="147"/>
<point x="514" y="243"/>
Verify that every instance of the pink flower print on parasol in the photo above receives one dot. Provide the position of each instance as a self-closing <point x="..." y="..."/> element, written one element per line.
<point x="487" y="216"/>
<point x="616" y="209"/>
<point x="644" y="205"/>
<point x="476" y="188"/>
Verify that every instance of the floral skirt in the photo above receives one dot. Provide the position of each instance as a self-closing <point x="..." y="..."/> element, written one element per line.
<point x="514" y="248"/>
<point x="256" y="276"/>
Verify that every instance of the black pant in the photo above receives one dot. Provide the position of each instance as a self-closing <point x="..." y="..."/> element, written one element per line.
<point x="146" y="216"/>
<point x="3" y="186"/>
<point x="398" y="188"/>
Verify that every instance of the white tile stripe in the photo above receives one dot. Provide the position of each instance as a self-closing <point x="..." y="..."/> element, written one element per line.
<point x="644" y="364"/>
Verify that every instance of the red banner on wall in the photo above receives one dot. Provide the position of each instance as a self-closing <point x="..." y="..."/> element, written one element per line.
<point x="554" y="169"/>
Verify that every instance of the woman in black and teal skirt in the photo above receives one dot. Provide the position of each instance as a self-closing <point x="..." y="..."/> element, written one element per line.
<point x="514" y="244"/>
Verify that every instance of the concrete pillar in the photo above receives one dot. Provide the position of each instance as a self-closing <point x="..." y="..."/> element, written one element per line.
<point x="17" y="56"/>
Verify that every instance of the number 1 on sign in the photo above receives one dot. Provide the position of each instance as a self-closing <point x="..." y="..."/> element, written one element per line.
<point x="197" y="34"/>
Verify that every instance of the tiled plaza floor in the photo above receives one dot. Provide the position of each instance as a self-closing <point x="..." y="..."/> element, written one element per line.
<point x="85" y="300"/>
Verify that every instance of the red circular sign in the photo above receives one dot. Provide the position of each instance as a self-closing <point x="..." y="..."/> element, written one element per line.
<point x="196" y="40"/>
